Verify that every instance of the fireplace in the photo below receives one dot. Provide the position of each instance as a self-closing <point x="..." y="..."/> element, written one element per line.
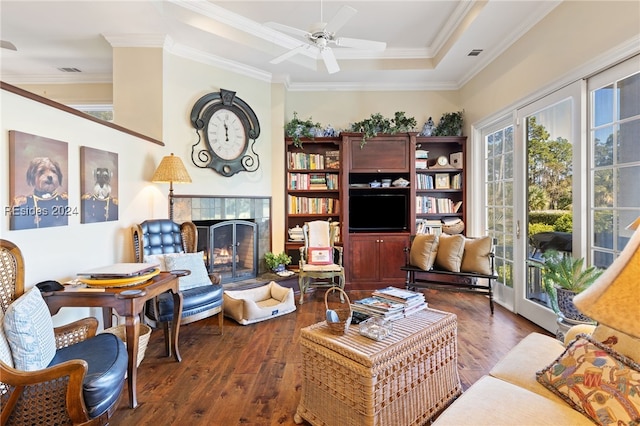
<point x="206" y="211"/>
<point x="230" y="248"/>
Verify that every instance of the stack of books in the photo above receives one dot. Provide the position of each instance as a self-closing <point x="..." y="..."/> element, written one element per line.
<point x="412" y="301"/>
<point x="379" y="307"/>
<point x="390" y="303"/>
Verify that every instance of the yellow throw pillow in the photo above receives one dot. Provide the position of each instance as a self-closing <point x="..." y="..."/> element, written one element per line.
<point x="423" y="251"/>
<point x="596" y="381"/>
<point x="476" y="255"/>
<point x="450" y="250"/>
<point x="618" y="341"/>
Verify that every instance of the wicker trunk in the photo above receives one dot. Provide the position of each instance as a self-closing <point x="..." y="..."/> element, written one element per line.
<point x="404" y="379"/>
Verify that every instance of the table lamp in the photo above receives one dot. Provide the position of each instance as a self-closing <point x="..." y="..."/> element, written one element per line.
<point x="171" y="169"/>
<point x="614" y="299"/>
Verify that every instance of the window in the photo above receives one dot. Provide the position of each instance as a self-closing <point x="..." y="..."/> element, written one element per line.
<point x="614" y="143"/>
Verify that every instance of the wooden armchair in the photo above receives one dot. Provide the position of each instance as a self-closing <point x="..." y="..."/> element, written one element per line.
<point x="320" y="260"/>
<point x="155" y="238"/>
<point x="63" y="392"/>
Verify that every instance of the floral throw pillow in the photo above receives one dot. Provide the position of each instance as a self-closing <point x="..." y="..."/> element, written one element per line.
<point x="596" y="381"/>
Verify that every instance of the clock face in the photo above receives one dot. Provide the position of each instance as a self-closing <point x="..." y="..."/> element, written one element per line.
<point x="227" y="135"/>
<point x="442" y="160"/>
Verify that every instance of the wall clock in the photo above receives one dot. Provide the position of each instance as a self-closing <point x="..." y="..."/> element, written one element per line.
<point x="227" y="129"/>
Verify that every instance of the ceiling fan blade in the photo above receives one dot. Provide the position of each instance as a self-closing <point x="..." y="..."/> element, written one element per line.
<point x="341" y="18"/>
<point x="287" y="29"/>
<point x="329" y="60"/>
<point x="289" y="54"/>
<point x="360" y="44"/>
<point x="7" y="45"/>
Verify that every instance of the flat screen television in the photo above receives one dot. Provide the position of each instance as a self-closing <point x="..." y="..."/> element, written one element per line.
<point x="378" y="212"/>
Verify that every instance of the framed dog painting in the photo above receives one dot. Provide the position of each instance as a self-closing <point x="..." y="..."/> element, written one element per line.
<point x="38" y="169"/>
<point x="98" y="185"/>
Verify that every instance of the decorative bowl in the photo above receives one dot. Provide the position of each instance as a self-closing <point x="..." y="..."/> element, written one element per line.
<point x="400" y="182"/>
<point x="374" y="184"/>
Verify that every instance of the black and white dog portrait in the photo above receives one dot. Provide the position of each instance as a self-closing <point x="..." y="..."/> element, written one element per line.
<point x="99" y="185"/>
<point x="102" y="187"/>
<point x="47" y="205"/>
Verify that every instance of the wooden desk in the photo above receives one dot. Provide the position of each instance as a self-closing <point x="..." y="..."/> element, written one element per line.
<point x="128" y="304"/>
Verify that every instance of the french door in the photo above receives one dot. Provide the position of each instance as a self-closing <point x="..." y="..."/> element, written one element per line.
<point x="534" y="165"/>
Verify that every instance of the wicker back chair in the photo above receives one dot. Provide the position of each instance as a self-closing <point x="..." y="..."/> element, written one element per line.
<point x="53" y="395"/>
<point x="163" y="236"/>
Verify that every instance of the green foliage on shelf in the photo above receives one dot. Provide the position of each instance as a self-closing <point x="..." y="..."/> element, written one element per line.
<point x="377" y="123"/>
<point x="450" y="124"/>
<point x="297" y="128"/>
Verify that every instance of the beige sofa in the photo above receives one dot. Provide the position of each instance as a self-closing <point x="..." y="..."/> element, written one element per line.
<point x="510" y="393"/>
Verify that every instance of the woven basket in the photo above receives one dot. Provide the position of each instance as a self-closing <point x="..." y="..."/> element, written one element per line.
<point x="143" y="340"/>
<point x="344" y="313"/>
<point x="454" y="229"/>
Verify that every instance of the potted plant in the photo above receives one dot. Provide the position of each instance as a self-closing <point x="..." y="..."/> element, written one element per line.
<point x="563" y="277"/>
<point x="297" y="129"/>
<point x="277" y="262"/>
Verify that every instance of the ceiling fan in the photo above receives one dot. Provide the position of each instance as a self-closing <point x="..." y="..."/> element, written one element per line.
<point x="322" y="34"/>
<point x="4" y="44"/>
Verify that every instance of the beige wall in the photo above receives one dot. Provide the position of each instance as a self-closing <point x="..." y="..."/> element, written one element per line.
<point x="74" y="94"/>
<point x="569" y="38"/>
<point x="138" y="89"/>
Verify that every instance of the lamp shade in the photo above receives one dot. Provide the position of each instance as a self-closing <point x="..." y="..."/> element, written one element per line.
<point x="614" y="299"/>
<point x="172" y="170"/>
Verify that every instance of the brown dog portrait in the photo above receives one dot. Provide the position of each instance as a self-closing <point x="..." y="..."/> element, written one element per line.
<point x="47" y="205"/>
<point x="45" y="176"/>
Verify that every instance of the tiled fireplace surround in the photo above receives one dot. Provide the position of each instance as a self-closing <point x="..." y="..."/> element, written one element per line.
<point x="213" y="208"/>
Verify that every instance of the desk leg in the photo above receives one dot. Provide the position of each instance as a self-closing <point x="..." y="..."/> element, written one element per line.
<point x="133" y="333"/>
<point x="175" y="324"/>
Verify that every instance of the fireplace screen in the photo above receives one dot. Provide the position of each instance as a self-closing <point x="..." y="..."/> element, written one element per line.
<point x="230" y="248"/>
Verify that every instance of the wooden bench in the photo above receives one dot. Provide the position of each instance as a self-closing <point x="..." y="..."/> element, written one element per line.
<point x="452" y="281"/>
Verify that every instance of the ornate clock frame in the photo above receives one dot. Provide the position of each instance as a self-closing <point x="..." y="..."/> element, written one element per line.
<point x="205" y="157"/>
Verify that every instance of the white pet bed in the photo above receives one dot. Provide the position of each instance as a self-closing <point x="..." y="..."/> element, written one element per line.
<point x="258" y="304"/>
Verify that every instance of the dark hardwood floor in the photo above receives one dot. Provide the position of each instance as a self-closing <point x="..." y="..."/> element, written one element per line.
<point x="251" y="374"/>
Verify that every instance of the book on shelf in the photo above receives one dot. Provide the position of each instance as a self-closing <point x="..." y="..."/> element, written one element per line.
<point x="332" y="159"/>
<point x="428" y="226"/>
<point x="457" y="206"/>
<point x="422" y="164"/>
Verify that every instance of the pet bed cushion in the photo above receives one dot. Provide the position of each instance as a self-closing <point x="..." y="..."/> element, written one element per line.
<point x="258" y="304"/>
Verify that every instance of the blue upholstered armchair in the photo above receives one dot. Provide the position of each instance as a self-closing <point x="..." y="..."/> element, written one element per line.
<point x="174" y="247"/>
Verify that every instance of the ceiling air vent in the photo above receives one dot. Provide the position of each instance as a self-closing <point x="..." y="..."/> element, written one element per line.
<point x="475" y="52"/>
<point x="69" y="69"/>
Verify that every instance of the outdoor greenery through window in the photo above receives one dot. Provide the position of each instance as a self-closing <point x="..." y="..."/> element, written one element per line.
<point x="614" y="135"/>
<point x="499" y="199"/>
